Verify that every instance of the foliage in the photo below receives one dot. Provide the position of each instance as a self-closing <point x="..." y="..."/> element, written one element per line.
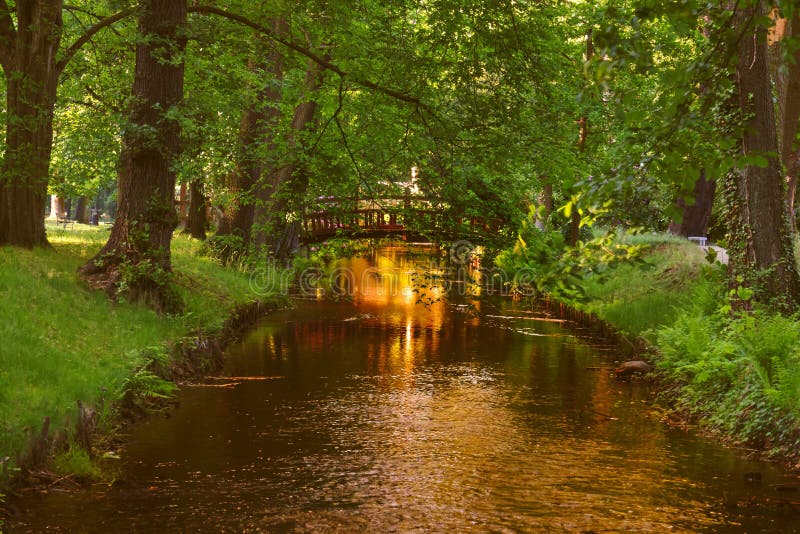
<point x="739" y="375"/>
<point x="226" y="249"/>
<point x="144" y="385"/>
<point x="541" y="261"/>
<point x="144" y="272"/>
<point x="337" y="247"/>
<point x="92" y="95"/>
<point x="638" y="298"/>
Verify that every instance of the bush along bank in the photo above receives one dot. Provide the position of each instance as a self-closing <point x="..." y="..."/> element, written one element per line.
<point x="75" y="365"/>
<point x="734" y="374"/>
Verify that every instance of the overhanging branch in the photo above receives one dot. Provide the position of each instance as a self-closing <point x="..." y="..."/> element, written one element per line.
<point x="300" y="49"/>
<point x="91" y="32"/>
<point x="77" y="9"/>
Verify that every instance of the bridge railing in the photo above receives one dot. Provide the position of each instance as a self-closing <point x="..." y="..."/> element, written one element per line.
<point x="389" y="215"/>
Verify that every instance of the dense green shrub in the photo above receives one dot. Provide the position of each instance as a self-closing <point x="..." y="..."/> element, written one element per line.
<point x="738" y="374"/>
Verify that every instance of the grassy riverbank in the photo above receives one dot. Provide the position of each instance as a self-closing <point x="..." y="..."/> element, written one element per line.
<point x="737" y="376"/>
<point x="62" y="342"/>
<point x="640" y="297"/>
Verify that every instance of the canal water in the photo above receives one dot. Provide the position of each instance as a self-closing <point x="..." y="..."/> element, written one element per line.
<point x="375" y="413"/>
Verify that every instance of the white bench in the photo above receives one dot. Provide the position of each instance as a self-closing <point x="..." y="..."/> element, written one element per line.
<point x="702" y="241"/>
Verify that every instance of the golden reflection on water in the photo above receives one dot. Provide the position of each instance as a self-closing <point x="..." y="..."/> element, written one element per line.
<point x="390" y="416"/>
<point x="388" y="280"/>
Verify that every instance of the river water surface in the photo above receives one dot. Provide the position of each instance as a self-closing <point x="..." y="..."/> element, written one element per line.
<point x="382" y="415"/>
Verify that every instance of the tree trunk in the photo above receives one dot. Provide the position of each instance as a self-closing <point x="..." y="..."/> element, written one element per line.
<point x="787" y="88"/>
<point x="56" y="207"/>
<point x="32" y="64"/>
<point x="547" y="199"/>
<point x="29" y="62"/>
<point x="792" y="170"/>
<point x="256" y="133"/>
<point x="574" y="230"/>
<point x="696" y="215"/>
<point x="183" y="201"/>
<point x="271" y="95"/>
<point x="136" y="258"/>
<point x="545" y="202"/>
<point x="82" y="211"/>
<point x="768" y="249"/>
<point x="240" y="182"/>
<point x="196" y="224"/>
<point x="289" y="182"/>
<point x="694" y="221"/>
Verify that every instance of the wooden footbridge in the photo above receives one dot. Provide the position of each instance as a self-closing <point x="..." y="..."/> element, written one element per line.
<point x="409" y="218"/>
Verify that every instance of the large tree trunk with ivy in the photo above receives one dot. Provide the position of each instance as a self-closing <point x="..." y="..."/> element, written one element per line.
<point x="136" y="258"/>
<point x="766" y="258"/>
<point x="28" y="55"/>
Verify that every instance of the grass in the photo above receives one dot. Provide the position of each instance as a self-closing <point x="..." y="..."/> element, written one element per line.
<point x="638" y="298"/>
<point x="62" y="342"/>
<point x="75" y="461"/>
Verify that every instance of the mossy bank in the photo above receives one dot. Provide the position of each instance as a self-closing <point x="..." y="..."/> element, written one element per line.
<point x="63" y="342"/>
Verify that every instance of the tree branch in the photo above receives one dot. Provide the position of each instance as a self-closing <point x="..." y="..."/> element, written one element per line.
<point x="91" y="32"/>
<point x="352" y="156"/>
<point x="78" y="20"/>
<point x="84" y="11"/>
<point x="332" y="118"/>
<point x="7" y="37"/>
<point x="300" y="49"/>
<point x="107" y="105"/>
<point x="72" y="10"/>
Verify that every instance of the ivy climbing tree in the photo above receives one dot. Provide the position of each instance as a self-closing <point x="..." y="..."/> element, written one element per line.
<point x="767" y="247"/>
<point x="136" y="258"/>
